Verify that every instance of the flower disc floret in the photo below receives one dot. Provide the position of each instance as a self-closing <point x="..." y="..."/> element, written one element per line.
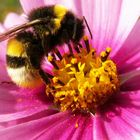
<point x="83" y="80"/>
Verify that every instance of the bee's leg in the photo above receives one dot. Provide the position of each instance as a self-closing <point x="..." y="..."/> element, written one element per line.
<point x="43" y="43"/>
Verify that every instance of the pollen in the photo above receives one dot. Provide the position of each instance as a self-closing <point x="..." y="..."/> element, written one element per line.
<point x="83" y="80"/>
<point x="76" y="125"/>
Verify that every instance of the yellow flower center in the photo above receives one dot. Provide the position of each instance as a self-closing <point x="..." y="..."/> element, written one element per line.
<point x="83" y="80"/>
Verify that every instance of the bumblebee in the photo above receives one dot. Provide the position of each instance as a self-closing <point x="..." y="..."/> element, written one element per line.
<point x="50" y="26"/>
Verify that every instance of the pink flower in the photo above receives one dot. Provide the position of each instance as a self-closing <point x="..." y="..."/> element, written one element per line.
<point x="30" y="114"/>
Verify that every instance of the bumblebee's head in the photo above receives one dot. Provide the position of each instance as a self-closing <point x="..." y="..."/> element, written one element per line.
<point x="54" y="14"/>
<point x="63" y="25"/>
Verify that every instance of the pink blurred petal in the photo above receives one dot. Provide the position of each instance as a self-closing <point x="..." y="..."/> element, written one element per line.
<point x="85" y="122"/>
<point x="19" y="120"/>
<point x="118" y="128"/>
<point x="47" y="66"/>
<point x="132" y="83"/>
<point x="121" y="118"/>
<point x="88" y="131"/>
<point x="29" y="5"/>
<point x="2" y="45"/>
<point x="109" y="21"/>
<point x="102" y="17"/>
<point x="3" y="51"/>
<point x="131" y="47"/>
<point x="128" y="76"/>
<point x="130" y="11"/>
<point x="19" y="102"/>
<point x="3" y="72"/>
<point x="13" y="20"/>
<point x="2" y="29"/>
<point x="99" y="132"/>
<point x="57" y="126"/>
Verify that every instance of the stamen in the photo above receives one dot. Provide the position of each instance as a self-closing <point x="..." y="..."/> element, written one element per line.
<point x="53" y="56"/>
<point x="49" y="75"/>
<point x="58" y="53"/>
<point x="76" y="125"/>
<point x="70" y="48"/>
<point x="76" y="48"/>
<point x="61" y="83"/>
<point x="83" y="81"/>
<point x="74" y="61"/>
<point x="105" y="54"/>
<point x="52" y="61"/>
<point x="44" y="76"/>
<point x="56" y="80"/>
<point x="79" y="45"/>
<point x="87" y="43"/>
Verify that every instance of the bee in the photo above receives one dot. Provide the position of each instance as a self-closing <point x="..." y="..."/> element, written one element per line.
<point x="50" y="26"/>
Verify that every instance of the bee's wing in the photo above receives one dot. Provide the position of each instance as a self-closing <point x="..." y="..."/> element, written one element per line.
<point x="13" y="31"/>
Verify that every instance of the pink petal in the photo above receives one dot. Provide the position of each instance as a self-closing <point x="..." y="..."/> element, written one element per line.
<point x="2" y="45"/>
<point x="13" y="20"/>
<point x="102" y="17"/>
<point x="121" y="118"/>
<point x="131" y="47"/>
<point x="130" y="11"/>
<point x="46" y="66"/>
<point x="19" y="103"/>
<point x="20" y="120"/>
<point x="99" y="130"/>
<point x="57" y="126"/>
<point x="110" y="21"/>
<point x="85" y="128"/>
<point x="3" y="72"/>
<point x="3" y="49"/>
<point x="130" y="81"/>
<point x="2" y="29"/>
<point x="29" y="5"/>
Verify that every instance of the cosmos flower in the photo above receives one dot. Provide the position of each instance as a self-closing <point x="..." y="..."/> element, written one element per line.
<point x="109" y="66"/>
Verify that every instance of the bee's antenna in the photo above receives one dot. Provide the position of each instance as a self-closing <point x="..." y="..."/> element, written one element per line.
<point x="88" y="27"/>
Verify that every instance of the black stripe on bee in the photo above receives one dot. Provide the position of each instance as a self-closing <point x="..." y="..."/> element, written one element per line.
<point x="15" y="62"/>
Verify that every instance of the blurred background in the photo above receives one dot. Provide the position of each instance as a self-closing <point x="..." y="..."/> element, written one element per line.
<point x="7" y="6"/>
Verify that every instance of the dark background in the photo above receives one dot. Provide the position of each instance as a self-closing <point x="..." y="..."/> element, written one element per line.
<point x="7" y="6"/>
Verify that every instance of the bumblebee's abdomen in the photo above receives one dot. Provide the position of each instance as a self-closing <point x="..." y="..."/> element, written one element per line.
<point x="23" y="77"/>
<point x="15" y="62"/>
<point x="19" y="63"/>
<point x="21" y="73"/>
